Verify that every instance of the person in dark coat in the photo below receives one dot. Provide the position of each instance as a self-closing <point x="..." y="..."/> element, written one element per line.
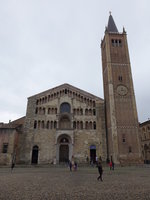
<point x="70" y="165"/>
<point x="100" y="170"/>
<point x="12" y="166"/>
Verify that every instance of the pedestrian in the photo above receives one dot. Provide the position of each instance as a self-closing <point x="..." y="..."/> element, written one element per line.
<point x="100" y="159"/>
<point x="87" y="159"/>
<point x="96" y="160"/>
<point x="70" y="165"/>
<point x="100" y="170"/>
<point x="12" y="166"/>
<point x="92" y="162"/>
<point x="113" y="165"/>
<point x="75" y="166"/>
<point x="110" y="165"/>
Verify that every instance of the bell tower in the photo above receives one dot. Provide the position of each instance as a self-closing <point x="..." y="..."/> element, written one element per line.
<point x="121" y="113"/>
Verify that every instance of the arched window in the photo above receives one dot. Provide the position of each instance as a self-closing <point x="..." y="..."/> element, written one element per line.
<point x="47" y="125"/>
<point x="35" y="124"/>
<point x="45" y="99"/>
<point x="86" y="111"/>
<point x="123" y="138"/>
<point x="49" y="110"/>
<point x="86" y="125"/>
<point x="55" y="124"/>
<point x="130" y="149"/>
<point x="49" y="97"/>
<point x="90" y="125"/>
<point x="52" y="110"/>
<point x="94" y="112"/>
<point x="40" y="110"/>
<point x="90" y="112"/>
<point x="39" y="124"/>
<point x="65" y="108"/>
<point x="74" y="124"/>
<point x="94" y="125"/>
<point x="74" y="111"/>
<point x="78" y="125"/>
<point x="43" y="111"/>
<point x="81" y="125"/>
<point x="42" y="126"/>
<point x="51" y="124"/>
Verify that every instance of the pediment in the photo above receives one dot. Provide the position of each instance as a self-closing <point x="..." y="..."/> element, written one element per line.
<point x="68" y="90"/>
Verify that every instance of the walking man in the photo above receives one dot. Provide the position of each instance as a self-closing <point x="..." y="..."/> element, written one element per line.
<point x="100" y="170"/>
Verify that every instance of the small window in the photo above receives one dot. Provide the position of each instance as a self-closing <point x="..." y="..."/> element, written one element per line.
<point x="130" y="149"/>
<point x="55" y="124"/>
<point x="113" y="42"/>
<point x="120" y="43"/>
<point x="123" y="138"/>
<point x="120" y="78"/>
<point x="35" y="124"/>
<point x="94" y="125"/>
<point x="5" y="148"/>
<point x="37" y="102"/>
<point x="42" y="124"/>
<point x="74" y="124"/>
<point x="94" y="112"/>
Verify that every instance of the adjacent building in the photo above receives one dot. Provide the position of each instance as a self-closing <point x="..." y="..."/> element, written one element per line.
<point x="145" y="140"/>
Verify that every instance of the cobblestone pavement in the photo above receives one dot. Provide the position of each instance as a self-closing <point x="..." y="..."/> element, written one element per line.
<point x="60" y="184"/>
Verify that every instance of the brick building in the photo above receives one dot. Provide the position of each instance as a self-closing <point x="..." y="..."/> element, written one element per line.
<point x="145" y="140"/>
<point x="66" y="122"/>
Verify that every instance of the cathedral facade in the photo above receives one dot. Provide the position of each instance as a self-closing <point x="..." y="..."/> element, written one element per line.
<point x="66" y="123"/>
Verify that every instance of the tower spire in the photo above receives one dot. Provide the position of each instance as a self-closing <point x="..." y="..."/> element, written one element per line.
<point x="111" y="27"/>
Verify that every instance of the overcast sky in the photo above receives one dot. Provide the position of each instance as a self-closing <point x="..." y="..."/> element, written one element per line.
<point x="45" y="43"/>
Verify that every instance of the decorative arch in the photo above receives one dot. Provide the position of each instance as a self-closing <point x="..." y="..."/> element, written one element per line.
<point x="64" y="148"/>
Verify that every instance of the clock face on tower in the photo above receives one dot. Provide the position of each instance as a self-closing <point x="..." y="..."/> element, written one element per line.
<point x="122" y="90"/>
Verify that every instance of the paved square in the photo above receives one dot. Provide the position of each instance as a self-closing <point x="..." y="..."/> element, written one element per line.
<point x="59" y="183"/>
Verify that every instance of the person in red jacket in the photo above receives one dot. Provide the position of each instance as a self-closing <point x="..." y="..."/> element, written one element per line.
<point x="110" y="165"/>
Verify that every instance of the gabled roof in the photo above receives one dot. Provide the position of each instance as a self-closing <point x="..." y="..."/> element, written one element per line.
<point x="111" y="25"/>
<point x="68" y="87"/>
<point x="145" y="123"/>
<point x="14" y="124"/>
